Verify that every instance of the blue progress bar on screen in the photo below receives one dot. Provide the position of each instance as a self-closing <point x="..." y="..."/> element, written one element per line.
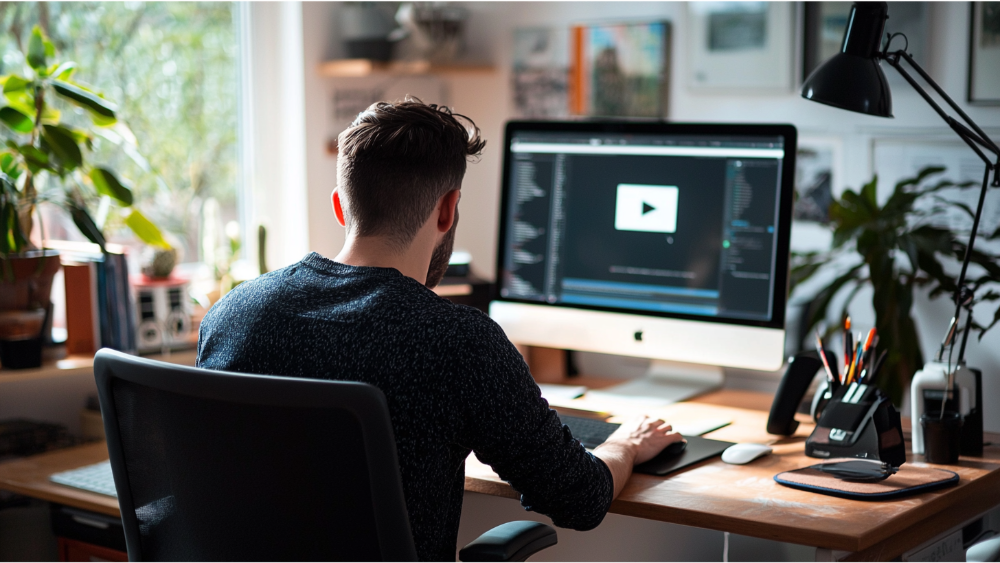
<point x="571" y="284"/>
<point x="635" y="304"/>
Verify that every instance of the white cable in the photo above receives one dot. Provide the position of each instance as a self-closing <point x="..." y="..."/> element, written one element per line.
<point x="725" y="547"/>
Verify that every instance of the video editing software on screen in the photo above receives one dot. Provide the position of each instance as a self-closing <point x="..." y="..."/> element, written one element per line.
<point x="669" y="224"/>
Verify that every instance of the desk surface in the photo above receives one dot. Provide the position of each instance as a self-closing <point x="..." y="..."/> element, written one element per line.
<point x="739" y="499"/>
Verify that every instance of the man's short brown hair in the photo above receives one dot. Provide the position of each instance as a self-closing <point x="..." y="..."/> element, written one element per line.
<point x="396" y="160"/>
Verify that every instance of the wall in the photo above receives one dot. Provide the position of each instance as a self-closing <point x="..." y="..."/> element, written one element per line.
<point x="487" y="100"/>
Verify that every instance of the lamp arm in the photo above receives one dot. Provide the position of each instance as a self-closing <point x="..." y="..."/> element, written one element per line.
<point x="981" y="137"/>
<point x="977" y="140"/>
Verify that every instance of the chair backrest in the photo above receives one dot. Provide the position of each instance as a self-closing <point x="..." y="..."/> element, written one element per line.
<point x="216" y="466"/>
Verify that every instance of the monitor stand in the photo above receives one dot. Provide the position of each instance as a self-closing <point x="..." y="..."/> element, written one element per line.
<point x="670" y="382"/>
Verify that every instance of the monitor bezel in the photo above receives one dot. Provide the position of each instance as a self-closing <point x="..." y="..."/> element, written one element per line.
<point x="786" y="196"/>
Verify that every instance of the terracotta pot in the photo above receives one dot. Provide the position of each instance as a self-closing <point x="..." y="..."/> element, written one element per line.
<point x="32" y="280"/>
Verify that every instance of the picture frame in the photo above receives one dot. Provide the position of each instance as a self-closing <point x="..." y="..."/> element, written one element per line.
<point x="984" y="53"/>
<point x="824" y="24"/>
<point x="896" y="158"/>
<point x="620" y="69"/>
<point x="819" y="177"/>
<point x="741" y="46"/>
<point x="540" y="74"/>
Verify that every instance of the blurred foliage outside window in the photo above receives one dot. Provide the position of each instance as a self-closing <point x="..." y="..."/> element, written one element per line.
<point x="172" y="69"/>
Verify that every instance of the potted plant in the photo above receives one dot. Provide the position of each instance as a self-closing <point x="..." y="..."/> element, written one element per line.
<point x="43" y="159"/>
<point x="893" y="248"/>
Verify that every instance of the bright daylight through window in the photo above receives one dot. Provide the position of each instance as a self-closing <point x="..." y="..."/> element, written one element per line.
<point x="170" y="70"/>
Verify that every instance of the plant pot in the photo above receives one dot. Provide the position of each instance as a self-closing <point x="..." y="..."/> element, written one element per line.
<point x="26" y="280"/>
<point x="20" y="338"/>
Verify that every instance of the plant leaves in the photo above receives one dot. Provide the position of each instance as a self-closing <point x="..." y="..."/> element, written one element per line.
<point x="83" y="221"/>
<point x="62" y="71"/>
<point x="107" y="184"/>
<point x="148" y="232"/>
<point x="33" y="156"/>
<point x="63" y="145"/>
<point x="37" y="49"/>
<point x="16" y="120"/>
<point x="90" y="101"/>
<point x="15" y="83"/>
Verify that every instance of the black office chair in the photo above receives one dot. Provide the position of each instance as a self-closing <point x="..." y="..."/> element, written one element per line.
<point x="215" y="466"/>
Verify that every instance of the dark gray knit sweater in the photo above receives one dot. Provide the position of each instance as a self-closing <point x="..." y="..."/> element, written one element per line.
<point x="453" y="382"/>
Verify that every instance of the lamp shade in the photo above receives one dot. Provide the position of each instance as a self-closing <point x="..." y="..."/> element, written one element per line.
<point x="853" y="78"/>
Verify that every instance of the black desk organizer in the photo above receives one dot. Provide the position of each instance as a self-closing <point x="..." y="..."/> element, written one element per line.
<point x="851" y="420"/>
<point x="858" y="421"/>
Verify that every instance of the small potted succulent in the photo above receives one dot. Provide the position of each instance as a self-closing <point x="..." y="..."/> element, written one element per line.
<point x="44" y="158"/>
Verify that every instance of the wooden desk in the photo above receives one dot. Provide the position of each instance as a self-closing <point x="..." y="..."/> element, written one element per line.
<point x="713" y="495"/>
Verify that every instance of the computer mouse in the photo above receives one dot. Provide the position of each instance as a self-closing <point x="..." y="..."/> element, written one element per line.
<point x="739" y="454"/>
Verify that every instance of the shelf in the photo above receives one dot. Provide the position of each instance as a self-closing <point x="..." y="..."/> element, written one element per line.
<point x="342" y="68"/>
<point x="84" y="363"/>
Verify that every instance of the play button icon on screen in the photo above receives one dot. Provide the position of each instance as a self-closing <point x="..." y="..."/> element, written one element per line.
<point x="650" y="209"/>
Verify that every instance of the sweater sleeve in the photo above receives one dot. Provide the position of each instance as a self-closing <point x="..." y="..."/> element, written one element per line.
<point x="511" y="428"/>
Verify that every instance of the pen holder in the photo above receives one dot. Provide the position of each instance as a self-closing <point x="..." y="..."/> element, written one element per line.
<point x="858" y="421"/>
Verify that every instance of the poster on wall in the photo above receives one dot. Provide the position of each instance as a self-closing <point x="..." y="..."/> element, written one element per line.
<point x="817" y="177"/>
<point x="619" y="70"/>
<point x="898" y="159"/>
<point x="984" y="54"/>
<point x="541" y="72"/>
<point x="740" y="46"/>
<point x="826" y="22"/>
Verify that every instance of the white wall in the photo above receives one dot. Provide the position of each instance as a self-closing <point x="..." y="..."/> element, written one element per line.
<point x="487" y="100"/>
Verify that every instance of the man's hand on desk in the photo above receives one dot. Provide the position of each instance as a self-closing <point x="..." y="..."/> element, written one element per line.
<point x="636" y="441"/>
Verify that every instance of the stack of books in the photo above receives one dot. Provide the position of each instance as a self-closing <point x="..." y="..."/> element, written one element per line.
<point x="99" y="308"/>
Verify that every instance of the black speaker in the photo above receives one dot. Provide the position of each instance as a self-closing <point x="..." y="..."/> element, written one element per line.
<point x="802" y="368"/>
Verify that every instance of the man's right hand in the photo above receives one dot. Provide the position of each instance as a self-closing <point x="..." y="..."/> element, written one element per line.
<point x="647" y="436"/>
<point x="635" y="441"/>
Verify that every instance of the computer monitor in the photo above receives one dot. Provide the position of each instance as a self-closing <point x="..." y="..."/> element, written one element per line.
<point x="665" y="241"/>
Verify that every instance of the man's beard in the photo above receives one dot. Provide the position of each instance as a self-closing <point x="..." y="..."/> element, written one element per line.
<point x="441" y="257"/>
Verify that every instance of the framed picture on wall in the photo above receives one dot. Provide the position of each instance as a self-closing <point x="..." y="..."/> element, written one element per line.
<point x="825" y="23"/>
<point x="984" y="53"/>
<point x="740" y="46"/>
<point x="818" y="177"/>
<point x="619" y="70"/>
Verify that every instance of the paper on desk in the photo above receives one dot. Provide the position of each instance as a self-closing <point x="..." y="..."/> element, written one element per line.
<point x="561" y="395"/>
<point x="601" y="401"/>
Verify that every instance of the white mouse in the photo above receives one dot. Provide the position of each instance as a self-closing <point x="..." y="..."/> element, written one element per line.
<point x="744" y="453"/>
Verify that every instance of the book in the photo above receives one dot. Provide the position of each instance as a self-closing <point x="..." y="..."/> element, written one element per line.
<point x="83" y="330"/>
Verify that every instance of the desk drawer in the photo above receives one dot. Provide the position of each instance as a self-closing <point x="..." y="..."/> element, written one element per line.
<point x="88" y="527"/>
<point x="72" y="551"/>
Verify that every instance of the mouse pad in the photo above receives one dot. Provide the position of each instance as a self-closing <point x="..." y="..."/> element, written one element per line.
<point x="698" y="449"/>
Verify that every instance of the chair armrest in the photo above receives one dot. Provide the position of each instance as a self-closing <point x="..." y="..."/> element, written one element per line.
<point x="513" y="541"/>
<point x="987" y="550"/>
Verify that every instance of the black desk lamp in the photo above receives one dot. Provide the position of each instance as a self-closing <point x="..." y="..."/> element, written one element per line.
<point x="853" y="80"/>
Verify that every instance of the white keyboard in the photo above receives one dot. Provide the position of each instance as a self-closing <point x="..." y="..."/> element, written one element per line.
<point x="96" y="478"/>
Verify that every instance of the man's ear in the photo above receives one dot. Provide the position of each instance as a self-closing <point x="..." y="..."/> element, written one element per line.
<point x="447" y="210"/>
<point x="338" y="209"/>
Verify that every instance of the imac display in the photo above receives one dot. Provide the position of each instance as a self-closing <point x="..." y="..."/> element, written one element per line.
<point x="658" y="240"/>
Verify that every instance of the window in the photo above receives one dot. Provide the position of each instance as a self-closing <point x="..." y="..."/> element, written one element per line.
<point x="172" y="68"/>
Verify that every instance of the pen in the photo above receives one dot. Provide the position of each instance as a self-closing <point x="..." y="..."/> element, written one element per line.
<point x="822" y="356"/>
<point x="848" y="348"/>
<point x="851" y="377"/>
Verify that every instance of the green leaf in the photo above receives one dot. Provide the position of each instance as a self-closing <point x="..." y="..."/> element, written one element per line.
<point x="22" y="101"/>
<point x="33" y="155"/>
<point x="8" y="165"/>
<point x="37" y="49"/>
<point x="15" y="83"/>
<point x="145" y="229"/>
<point x="63" y="145"/>
<point x="16" y="120"/>
<point x="63" y="71"/>
<point x="929" y="171"/>
<point x="107" y="184"/>
<point x="83" y="221"/>
<point x="90" y="101"/>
